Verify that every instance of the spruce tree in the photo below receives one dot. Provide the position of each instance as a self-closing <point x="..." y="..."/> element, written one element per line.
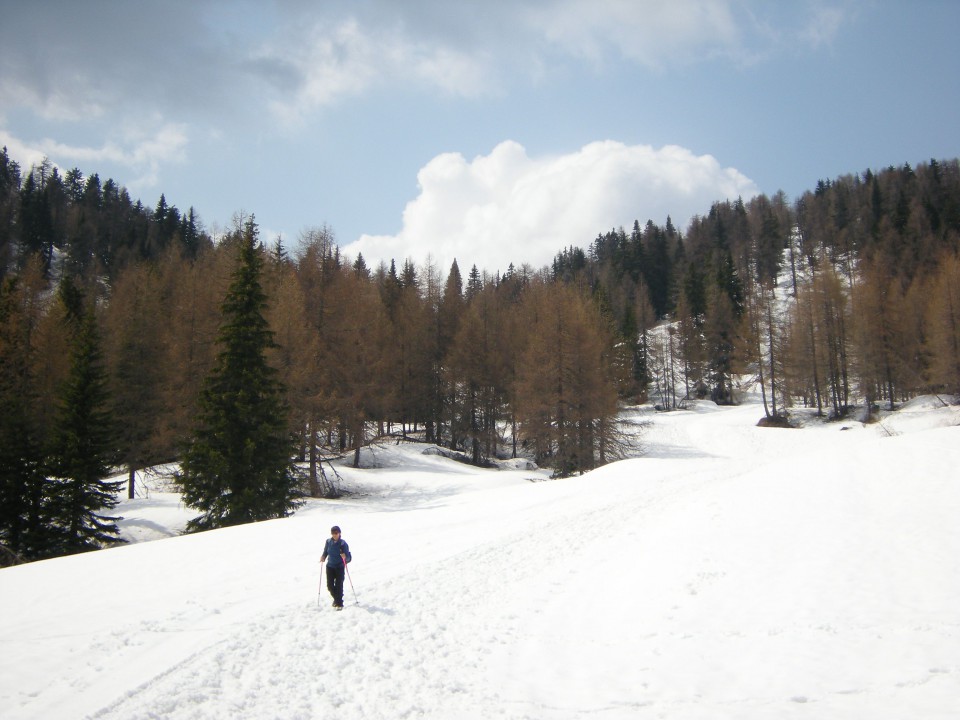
<point x="83" y="450"/>
<point x="474" y="284"/>
<point x="238" y="466"/>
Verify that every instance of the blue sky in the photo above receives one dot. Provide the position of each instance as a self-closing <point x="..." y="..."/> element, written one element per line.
<point x="491" y="132"/>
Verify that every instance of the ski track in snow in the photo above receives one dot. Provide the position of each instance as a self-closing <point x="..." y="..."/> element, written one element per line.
<point x="733" y="572"/>
<point x="416" y="629"/>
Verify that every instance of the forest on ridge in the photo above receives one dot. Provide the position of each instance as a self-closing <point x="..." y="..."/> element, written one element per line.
<point x="847" y="296"/>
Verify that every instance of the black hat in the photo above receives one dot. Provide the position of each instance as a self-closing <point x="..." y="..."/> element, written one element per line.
<point x="335" y="529"/>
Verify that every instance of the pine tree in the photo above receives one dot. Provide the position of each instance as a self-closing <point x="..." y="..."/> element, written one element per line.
<point x="83" y="450"/>
<point x="238" y="466"/>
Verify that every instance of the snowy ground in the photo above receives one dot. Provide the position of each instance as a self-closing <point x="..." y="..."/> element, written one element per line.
<point x="731" y="572"/>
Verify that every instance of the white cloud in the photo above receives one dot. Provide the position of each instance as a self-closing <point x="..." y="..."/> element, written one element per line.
<point x="823" y="25"/>
<point x="22" y="153"/>
<point x="143" y="154"/>
<point x="651" y="32"/>
<point x="331" y="62"/>
<point x="465" y="53"/>
<point x="68" y="99"/>
<point x="296" y="58"/>
<point x="508" y="207"/>
<point x="328" y="65"/>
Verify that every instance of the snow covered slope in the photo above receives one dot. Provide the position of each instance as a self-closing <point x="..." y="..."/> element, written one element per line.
<point x="731" y="572"/>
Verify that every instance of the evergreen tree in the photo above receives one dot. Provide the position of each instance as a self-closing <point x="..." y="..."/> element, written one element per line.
<point x="360" y="266"/>
<point x="659" y="269"/>
<point x="190" y="233"/>
<point x="23" y="481"/>
<point x="238" y="466"/>
<point x="9" y="204"/>
<point x="83" y="450"/>
<point x="474" y="284"/>
<point x="34" y="224"/>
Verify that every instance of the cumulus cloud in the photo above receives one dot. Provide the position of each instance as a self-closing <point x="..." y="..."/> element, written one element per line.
<point x="508" y="207"/>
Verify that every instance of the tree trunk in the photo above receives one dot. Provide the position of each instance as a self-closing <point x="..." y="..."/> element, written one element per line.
<point x="773" y="368"/>
<point x="314" y="485"/>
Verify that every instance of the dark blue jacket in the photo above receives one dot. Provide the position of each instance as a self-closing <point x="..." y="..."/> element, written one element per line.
<point x="332" y="550"/>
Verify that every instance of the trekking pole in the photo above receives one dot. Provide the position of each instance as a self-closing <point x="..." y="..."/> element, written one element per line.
<point x="351" y="582"/>
<point x="320" y="589"/>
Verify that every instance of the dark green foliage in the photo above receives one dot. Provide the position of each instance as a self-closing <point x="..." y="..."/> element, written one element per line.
<point x="474" y="284"/>
<point x="729" y="282"/>
<point x="34" y="226"/>
<point x="9" y="202"/>
<point x="95" y="224"/>
<point x="659" y="273"/>
<point x="23" y="482"/>
<point x="694" y="285"/>
<point x="84" y="448"/>
<point x="770" y="243"/>
<point x="71" y="298"/>
<point x="237" y="467"/>
<point x="566" y="266"/>
<point x="360" y="266"/>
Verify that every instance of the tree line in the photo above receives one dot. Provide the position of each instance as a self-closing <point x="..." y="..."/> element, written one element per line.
<point x="485" y="365"/>
<point x="117" y="320"/>
<point x="847" y="296"/>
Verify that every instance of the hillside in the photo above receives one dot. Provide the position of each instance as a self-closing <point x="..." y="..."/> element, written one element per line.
<point x="731" y="572"/>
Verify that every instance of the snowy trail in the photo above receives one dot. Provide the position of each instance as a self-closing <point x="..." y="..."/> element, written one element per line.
<point x="733" y="572"/>
<point x="439" y="627"/>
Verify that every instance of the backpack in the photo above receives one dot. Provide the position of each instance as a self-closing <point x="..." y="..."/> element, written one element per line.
<point x="340" y="543"/>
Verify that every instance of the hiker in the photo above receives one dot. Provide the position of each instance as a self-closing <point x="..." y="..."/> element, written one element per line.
<point x="336" y="552"/>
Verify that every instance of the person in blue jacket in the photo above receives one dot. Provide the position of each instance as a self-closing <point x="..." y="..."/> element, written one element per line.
<point x="336" y="553"/>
